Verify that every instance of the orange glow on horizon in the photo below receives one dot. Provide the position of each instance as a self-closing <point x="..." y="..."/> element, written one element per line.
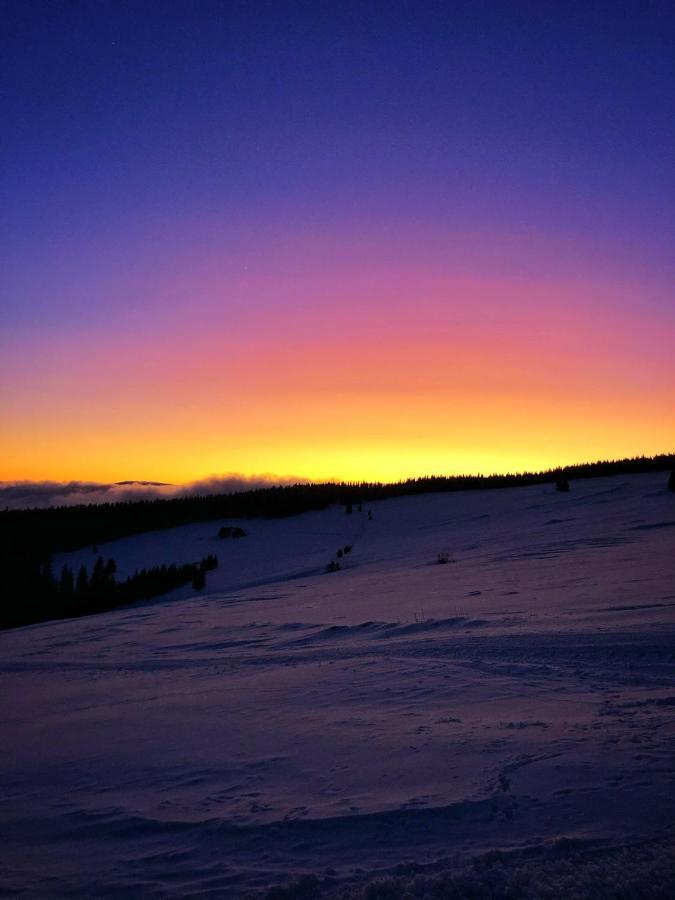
<point x="404" y="374"/>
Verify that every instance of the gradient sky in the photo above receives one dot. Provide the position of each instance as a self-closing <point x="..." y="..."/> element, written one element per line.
<point x="366" y="240"/>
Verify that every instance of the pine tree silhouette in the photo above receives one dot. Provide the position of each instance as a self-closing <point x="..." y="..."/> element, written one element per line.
<point x="66" y="583"/>
<point x="82" y="583"/>
<point x="199" y="581"/>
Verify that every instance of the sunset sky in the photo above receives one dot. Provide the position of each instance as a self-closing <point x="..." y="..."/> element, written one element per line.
<point x="334" y="240"/>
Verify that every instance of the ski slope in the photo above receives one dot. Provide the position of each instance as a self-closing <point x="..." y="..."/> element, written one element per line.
<point x="288" y="721"/>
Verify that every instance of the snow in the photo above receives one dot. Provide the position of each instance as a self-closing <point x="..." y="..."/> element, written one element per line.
<point x="286" y="720"/>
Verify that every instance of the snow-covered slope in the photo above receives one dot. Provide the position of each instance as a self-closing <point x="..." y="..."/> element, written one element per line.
<point x="286" y="720"/>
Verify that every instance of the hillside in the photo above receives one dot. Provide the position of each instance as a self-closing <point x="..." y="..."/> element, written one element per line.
<point x="288" y="721"/>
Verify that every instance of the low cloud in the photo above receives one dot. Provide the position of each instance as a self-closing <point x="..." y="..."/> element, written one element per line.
<point x="24" y="494"/>
<point x="234" y="484"/>
<point x="42" y="494"/>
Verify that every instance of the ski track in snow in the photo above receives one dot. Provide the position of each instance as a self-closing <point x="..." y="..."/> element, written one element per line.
<point x="287" y="721"/>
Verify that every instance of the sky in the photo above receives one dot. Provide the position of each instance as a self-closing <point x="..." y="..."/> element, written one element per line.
<point x="351" y="240"/>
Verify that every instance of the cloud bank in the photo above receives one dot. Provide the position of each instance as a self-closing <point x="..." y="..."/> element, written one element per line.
<point x="42" y="494"/>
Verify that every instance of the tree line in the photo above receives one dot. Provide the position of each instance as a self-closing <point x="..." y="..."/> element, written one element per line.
<point x="29" y="537"/>
<point x="42" y="595"/>
<point x="64" y="528"/>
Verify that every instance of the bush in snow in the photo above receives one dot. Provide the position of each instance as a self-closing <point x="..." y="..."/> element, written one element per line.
<point x="231" y="531"/>
<point x="199" y="581"/>
<point x="209" y="562"/>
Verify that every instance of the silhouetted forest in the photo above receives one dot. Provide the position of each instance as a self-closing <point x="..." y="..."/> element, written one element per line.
<point x="42" y="596"/>
<point x="29" y="538"/>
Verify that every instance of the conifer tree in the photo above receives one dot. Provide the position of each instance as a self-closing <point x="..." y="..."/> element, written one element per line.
<point x="66" y="583"/>
<point x="48" y="582"/>
<point x="98" y="575"/>
<point x="199" y="581"/>
<point x="82" y="583"/>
